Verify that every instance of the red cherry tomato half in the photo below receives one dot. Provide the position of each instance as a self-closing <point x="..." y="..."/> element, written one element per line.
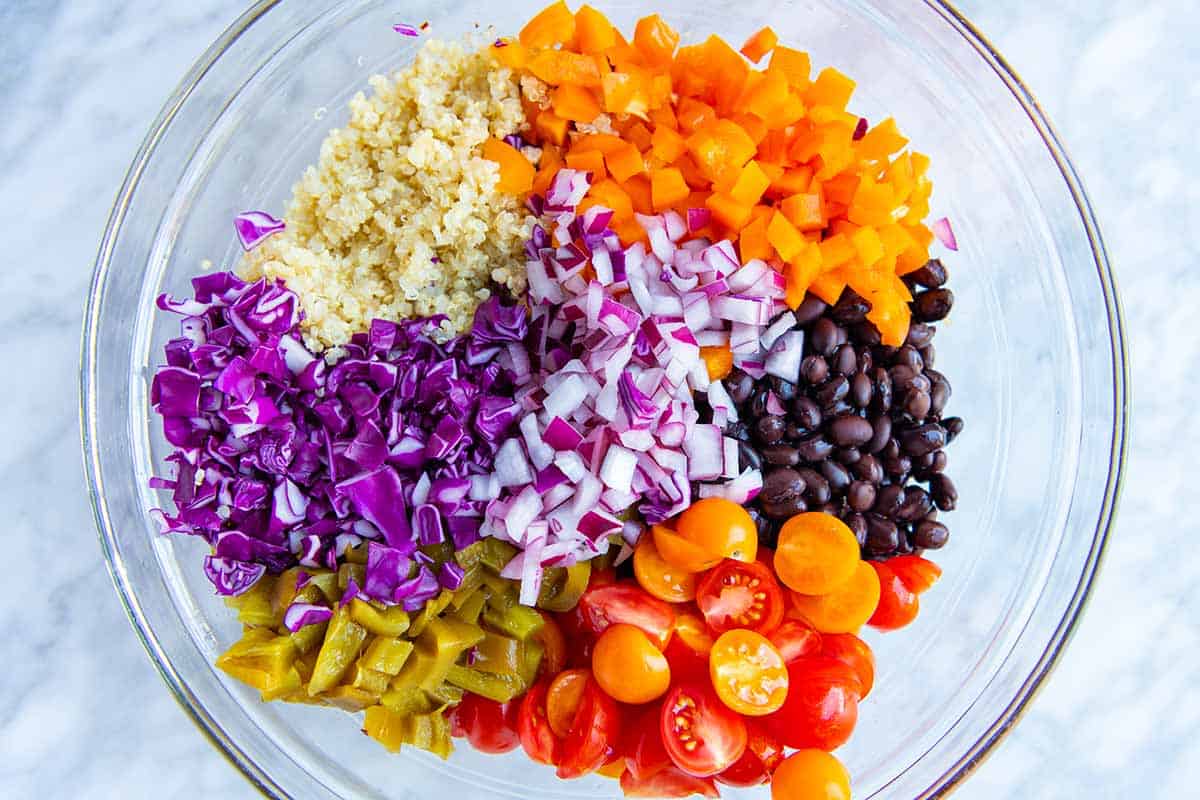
<point x="821" y="707"/>
<point x="670" y="782"/>
<point x="630" y="604"/>
<point x="795" y="639"/>
<point x="764" y="752"/>
<point x="594" y="736"/>
<point x="645" y="753"/>
<point x="916" y="573"/>
<point x="702" y="735"/>
<point x="854" y="652"/>
<point x="533" y="726"/>
<point x="898" y="606"/>
<point x="740" y="594"/>
<point x="489" y="726"/>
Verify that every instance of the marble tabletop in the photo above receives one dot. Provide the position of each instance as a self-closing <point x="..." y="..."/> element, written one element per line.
<point x="82" y="713"/>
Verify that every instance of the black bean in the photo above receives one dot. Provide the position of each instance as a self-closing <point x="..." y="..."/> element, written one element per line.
<point x="847" y="455"/>
<point x="758" y="401"/>
<point x="919" y="334"/>
<point x="888" y="499"/>
<point x="807" y="413"/>
<point x="861" y="495"/>
<point x="930" y="535"/>
<point x="845" y="360"/>
<point x="770" y="429"/>
<point x="794" y="431"/>
<point x="922" y="439"/>
<point x="833" y="391"/>
<point x="814" y="448"/>
<point x="925" y="461"/>
<point x="850" y="308"/>
<point x="945" y="496"/>
<point x="939" y="395"/>
<point x="782" y="495"/>
<point x="739" y="431"/>
<point x="739" y="385"/>
<point x="850" y="431"/>
<point x="864" y="333"/>
<point x="841" y="336"/>
<point x="932" y="305"/>
<point x="861" y="390"/>
<point x="766" y="527"/>
<point x="917" y="404"/>
<point x="866" y="362"/>
<point x="824" y="337"/>
<point x="810" y="308"/>
<point x="931" y="276"/>
<point x="937" y="463"/>
<point x="897" y="468"/>
<point x="909" y="356"/>
<point x="858" y="524"/>
<point x="928" y="354"/>
<point x="915" y="506"/>
<point x="837" y="475"/>
<point x="953" y="426"/>
<point x="817" y="492"/>
<point x="881" y="434"/>
<point x="891" y="449"/>
<point x="814" y="370"/>
<point x="868" y="469"/>
<point x="904" y="377"/>
<point x="830" y="508"/>
<point x="786" y="390"/>
<point x="781" y="455"/>
<point x="748" y="457"/>
<point x="882" y="402"/>
<point x="837" y="408"/>
<point x="883" y="537"/>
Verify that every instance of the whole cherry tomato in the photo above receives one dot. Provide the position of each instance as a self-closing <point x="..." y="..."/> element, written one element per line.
<point x="627" y="603"/>
<point x="533" y="726"/>
<point x="748" y="673"/>
<point x="489" y="726"/>
<point x="821" y="707"/>
<point x="740" y="594"/>
<point x="898" y="606"/>
<point x="595" y="734"/>
<point x="764" y="752"/>
<point x="810" y="775"/>
<point x="702" y="735"/>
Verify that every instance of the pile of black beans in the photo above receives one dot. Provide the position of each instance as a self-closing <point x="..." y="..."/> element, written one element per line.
<point x="863" y="428"/>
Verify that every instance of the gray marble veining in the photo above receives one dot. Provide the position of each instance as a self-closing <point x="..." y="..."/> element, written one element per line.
<point x="82" y="712"/>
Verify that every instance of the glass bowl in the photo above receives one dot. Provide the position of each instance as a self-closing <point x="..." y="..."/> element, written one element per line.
<point x="1034" y="350"/>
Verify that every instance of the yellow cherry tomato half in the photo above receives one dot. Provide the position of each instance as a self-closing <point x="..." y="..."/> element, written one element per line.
<point x="719" y="527"/>
<point x="679" y="552"/>
<point x="810" y="775"/>
<point x="847" y="608"/>
<point x="748" y="673"/>
<point x="659" y="577"/>
<point x="628" y="667"/>
<point x="816" y="553"/>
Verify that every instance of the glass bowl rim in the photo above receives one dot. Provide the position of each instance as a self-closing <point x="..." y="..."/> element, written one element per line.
<point x="969" y="761"/>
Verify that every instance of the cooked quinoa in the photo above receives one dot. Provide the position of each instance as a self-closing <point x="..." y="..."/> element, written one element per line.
<point x="400" y="217"/>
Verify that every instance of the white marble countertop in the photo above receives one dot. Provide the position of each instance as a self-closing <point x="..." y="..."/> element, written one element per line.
<point x="82" y="713"/>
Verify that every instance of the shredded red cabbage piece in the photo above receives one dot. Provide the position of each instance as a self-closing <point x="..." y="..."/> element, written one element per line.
<point x="252" y="227"/>
<point x="284" y="457"/>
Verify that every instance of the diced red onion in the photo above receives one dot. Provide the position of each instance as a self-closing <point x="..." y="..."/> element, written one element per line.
<point x="705" y="453"/>
<point x="945" y="234"/>
<point x="512" y="468"/>
<point x="784" y="323"/>
<point x="786" y="354"/>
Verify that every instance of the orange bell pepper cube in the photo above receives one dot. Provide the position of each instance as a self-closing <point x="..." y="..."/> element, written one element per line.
<point x="801" y="272"/>
<point x="655" y="40"/>
<point x="664" y="117"/>
<point x="548" y="167"/>
<point x="551" y="127"/>
<point x="805" y="211"/>
<point x="624" y="162"/>
<point x="516" y="173"/>
<point x="872" y="203"/>
<point x="718" y="360"/>
<point x="794" y="65"/>
<point x="575" y="103"/>
<point x="626" y="93"/>
<point x="638" y="189"/>
<point x="555" y="24"/>
<point x="600" y="142"/>
<point x="588" y="161"/>
<point x="867" y="243"/>
<point x="667" y="188"/>
<point x="609" y="194"/>
<point x="912" y="259"/>
<point x="831" y="88"/>
<point x="721" y="148"/>
<point x="828" y="286"/>
<point x="881" y="141"/>
<point x="836" y="250"/>
<point x="753" y="242"/>
<point x="667" y="144"/>
<point x="727" y="211"/>
<point x="694" y="114"/>
<point x="510" y="53"/>
<point x="759" y="44"/>
<point x="796" y="180"/>
<point x="593" y="32"/>
<point x="557" y="67"/>
<point x="784" y="237"/>
<point x="750" y="184"/>
<point x="639" y="135"/>
<point x="754" y="127"/>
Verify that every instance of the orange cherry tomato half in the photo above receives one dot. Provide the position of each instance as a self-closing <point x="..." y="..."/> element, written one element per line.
<point x="821" y="707"/>
<point x="719" y="527"/>
<point x="916" y="573"/>
<point x="533" y="726"/>
<point x="794" y="639"/>
<point x="628" y="666"/>
<point x="854" y="652"/>
<point x="554" y="646"/>
<point x="658" y="576"/>
<point x="595" y="732"/>
<point x="681" y="553"/>
<point x="810" y="775"/>
<point x="898" y="606"/>
<point x="748" y="673"/>
<point x="815" y="553"/>
<point x="764" y="752"/>
<point x="562" y="699"/>
<point x="669" y="782"/>
<point x="627" y="602"/>
<point x="847" y="608"/>
<point x="701" y="734"/>
<point x="740" y="594"/>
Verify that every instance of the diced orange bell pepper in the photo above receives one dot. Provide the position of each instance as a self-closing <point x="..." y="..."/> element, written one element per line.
<point x="601" y="142"/>
<point x="801" y="272"/>
<point x="836" y="250"/>
<point x="912" y="259"/>
<point x="727" y="211"/>
<point x="718" y="361"/>
<point x="896" y="239"/>
<point x="624" y="162"/>
<point x="784" y="237"/>
<point x="754" y="127"/>
<point x="626" y="93"/>
<point x="872" y="203"/>
<point x="840" y="189"/>
<point x="881" y="141"/>
<point x="593" y="32"/>
<point x="794" y="65"/>
<point x="588" y="161"/>
<point x="796" y="180"/>
<point x="664" y="117"/>
<point x="551" y="127"/>
<point x="667" y="188"/>
<point x="555" y="24"/>
<point x="750" y="185"/>
<point x="759" y="44"/>
<point x="548" y="167"/>
<point x="639" y="135"/>
<point x="721" y="148"/>
<point x="629" y="232"/>
<point x="516" y="173"/>
<point x="609" y="194"/>
<point x="692" y="173"/>
<point x="727" y="72"/>
<point x="831" y="88"/>
<point x="510" y="53"/>
<point x="667" y="144"/>
<point x="828" y="285"/>
<point x="655" y="40"/>
<point x="805" y="211"/>
<point x="688" y="72"/>
<point x="694" y="114"/>
<point x="869" y="246"/>
<point x="753" y="242"/>
<point x="638" y="189"/>
<point x="575" y="103"/>
<point x="557" y="67"/>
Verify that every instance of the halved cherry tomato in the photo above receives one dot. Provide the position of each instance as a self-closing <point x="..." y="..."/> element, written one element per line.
<point x="794" y="639"/>
<point x="854" y="652"/>
<point x="688" y="654"/>
<point x="719" y="527"/>
<point x="533" y="727"/>
<point x="916" y="573"/>
<point x="810" y="775"/>
<point x="821" y="707"/>
<point x="628" y="666"/>
<point x="739" y="594"/>
<point x="748" y="673"/>
<point x="694" y="633"/>
<point x="554" y="647"/>
<point x="659" y="577"/>
<point x="594" y="735"/>
<point x="489" y="726"/>
<point x="685" y="555"/>
<point x="897" y="605"/>
<point x="628" y="603"/>
<point x="764" y="752"/>
<point x="670" y="782"/>
<point x="846" y="608"/>
<point x="562" y="699"/>
<point x="645" y="753"/>
<point x="701" y="734"/>
<point x="613" y="769"/>
<point x="816" y="553"/>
